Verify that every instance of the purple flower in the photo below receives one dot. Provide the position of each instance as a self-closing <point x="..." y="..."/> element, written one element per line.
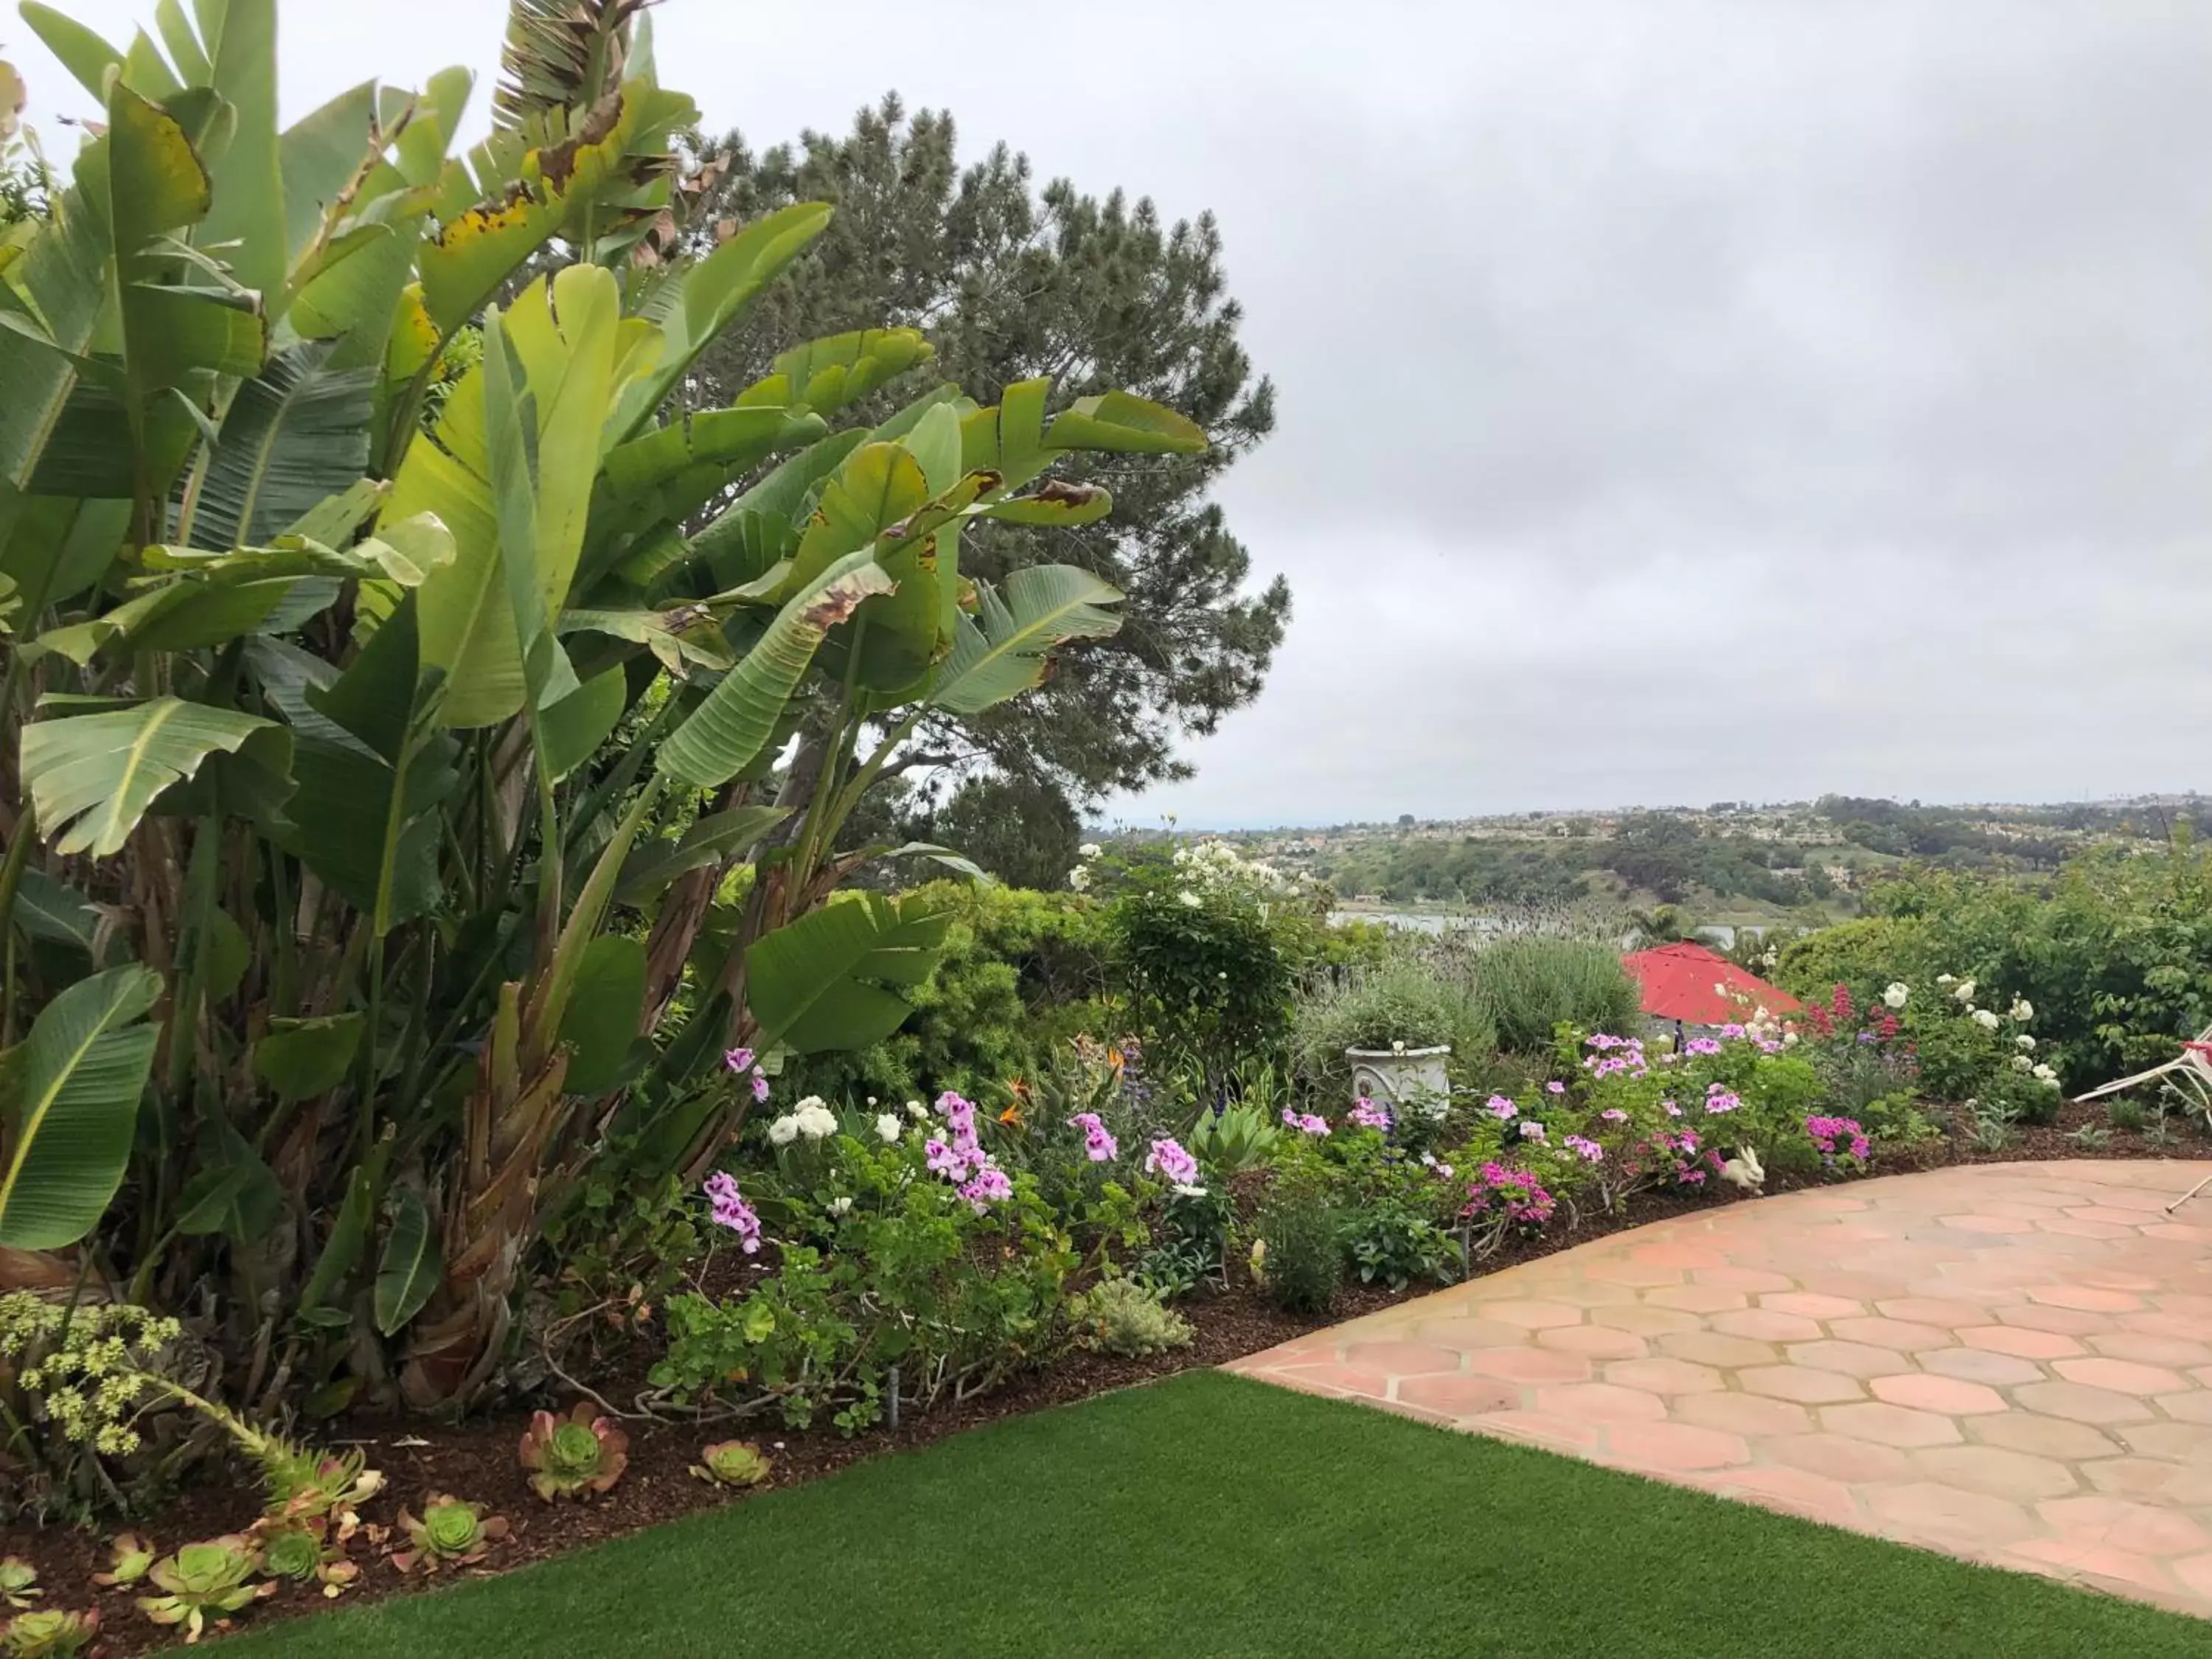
<point x="1502" y="1108"/>
<point x="989" y="1186"/>
<point x="739" y="1059"/>
<point x="1366" y="1113"/>
<point x="1098" y="1144"/>
<point x="1531" y="1130"/>
<point x="944" y="1160"/>
<point x="1721" y="1101"/>
<point x="1168" y="1160"/>
<point x="1555" y="1087"/>
<point x="1308" y="1124"/>
<point x="1670" y="1108"/>
<point x="760" y="1085"/>
<point x="732" y="1210"/>
<point x="1732" y="1031"/>
<point x="1701" y="1046"/>
<point x="1590" y="1151"/>
<point x="1613" y="1114"/>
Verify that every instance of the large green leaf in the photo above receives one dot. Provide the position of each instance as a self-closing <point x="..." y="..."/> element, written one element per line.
<point x="654" y="864"/>
<point x="299" y="1058"/>
<point x="714" y="293"/>
<point x="93" y="776"/>
<point x="411" y="1265"/>
<point x="463" y="265"/>
<point x="59" y="284"/>
<point x="68" y="1095"/>
<point x="730" y="727"/>
<point x="821" y="983"/>
<point x="604" y="1008"/>
<point x="247" y="218"/>
<point x="1001" y="651"/>
<point x="1123" y="423"/>
<point x="827" y="374"/>
<point x="82" y="53"/>
<point x="296" y="434"/>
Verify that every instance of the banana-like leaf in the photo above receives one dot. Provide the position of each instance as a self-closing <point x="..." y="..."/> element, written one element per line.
<point x="823" y="983"/>
<point x="878" y="486"/>
<point x="559" y="54"/>
<point x="463" y="265"/>
<point x="410" y="1267"/>
<point x="714" y="293"/>
<point x="827" y="374"/>
<point x="1001" y="651"/>
<point x="93" y="776"/>
<point x="654" y="864"/>
<point x="71" y="1095"/>
<point x="730" y="727"/>
<point x="573" y="728"/>
<point x="296" y="434"/>
<point x="53" y="911"/>
<point x="601" y="1024"/>
<point x="246" y="220"/>
<point x="81" y="52"/>
<point x="1122" y="423"/>
<point x="299" y="1058"/>
<point x="61" y="281"/>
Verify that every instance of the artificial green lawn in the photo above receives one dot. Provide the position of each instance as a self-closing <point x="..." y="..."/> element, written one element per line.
<point x="1209" y="1516"/>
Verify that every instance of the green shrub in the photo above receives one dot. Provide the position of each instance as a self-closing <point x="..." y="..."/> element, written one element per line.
<point x="1529" y="988"/>
<point x="2127" y="1115"/>
<point x="1122" y="1317"/>
<point x="1863" y="956"/>
<point x="1301" y="1263"/>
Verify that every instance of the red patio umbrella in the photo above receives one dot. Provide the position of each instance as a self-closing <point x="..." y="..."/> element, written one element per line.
<point x="1678" y="981"/>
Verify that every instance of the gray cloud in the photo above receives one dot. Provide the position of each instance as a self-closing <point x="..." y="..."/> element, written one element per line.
<point x="1680" y="398"/>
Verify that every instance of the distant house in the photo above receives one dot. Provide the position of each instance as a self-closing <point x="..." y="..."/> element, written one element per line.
<point x="1687" y="986"/>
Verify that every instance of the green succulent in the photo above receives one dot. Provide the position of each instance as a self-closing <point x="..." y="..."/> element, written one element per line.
<point x="134" y="1556"/>
<point x="204" y="1580"/>
<point x="293" y="1550"/>
<point x="574" y="1455"/>
<point x="731" y="1463"/>
<point x="451" y="1534"/>
<point x="54" y="1635"/>
<point x="18" y="1582"/>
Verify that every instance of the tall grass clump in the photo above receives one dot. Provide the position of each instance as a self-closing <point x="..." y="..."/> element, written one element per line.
<point x="1526" y="988"/>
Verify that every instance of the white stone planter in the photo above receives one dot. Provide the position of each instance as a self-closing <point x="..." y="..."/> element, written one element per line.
<point x="1404" y="1079"/>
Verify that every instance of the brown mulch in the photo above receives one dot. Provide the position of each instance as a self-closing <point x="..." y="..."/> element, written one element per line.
<point x="476" y="1460"/>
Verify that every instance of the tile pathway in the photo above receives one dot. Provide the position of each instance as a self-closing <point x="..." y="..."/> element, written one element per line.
<point x="2009" y="1362"/>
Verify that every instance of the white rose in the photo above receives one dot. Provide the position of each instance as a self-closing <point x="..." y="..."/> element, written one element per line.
<point x="887" y="1127"/>
<point x="2025" y="1044"/>
<point x="839" y="1206"/>
<point x="916" y="1110"/>
<point x="783" y="1131"/>
<point x="1078" y="879"/>
<point x="1897" y="995"/>
<point x="2022" y="1008"/>
<point x="2021" y="1062"/>
<point x="1190" y="898"/>
<point x="2046" y="1075"/>
<point x="1986" y="1019"/>
<point x="1965" y="991"/>
<point x="1946" y="979"/>
<point x="1789" y="1039"/>
<point x="1089" y="849"/>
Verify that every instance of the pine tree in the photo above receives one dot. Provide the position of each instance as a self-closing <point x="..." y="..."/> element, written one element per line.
<point x="1010" y="283"/>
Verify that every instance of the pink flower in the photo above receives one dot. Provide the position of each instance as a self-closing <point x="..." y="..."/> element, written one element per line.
<point x="739" y="1059"/>
<point x="989" y="1186"/>
<point x="1502" y="1108"/>
<point x="1590" y="1151"/>
<point x="1531" y="1130"/>
<point x="1098" y="1144"/>
<point x="1613" y="1114"/>
<point x="760" y="1084"/>
<point x="1366" y="1113"/>
<point x="732" y="1210"/>
<point x="1169" y="1161"/>
<point x="1556" y="1087"/>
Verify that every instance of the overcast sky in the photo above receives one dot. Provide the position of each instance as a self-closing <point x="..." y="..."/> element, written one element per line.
<point x="1677" y="401"/>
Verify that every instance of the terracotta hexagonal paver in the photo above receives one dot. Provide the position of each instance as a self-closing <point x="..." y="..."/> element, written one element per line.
<point x="2011" y="1362"/>
<point x="1802" y="1384"/>
<point x="2082" y="1403"/>
<point x="1850" y="1359"/>
<point x="1947" y="1395"/>
<point x="1665" y="1376"/>
<point x="1891" y="1425"/>
<point x="2123" y="1376"/>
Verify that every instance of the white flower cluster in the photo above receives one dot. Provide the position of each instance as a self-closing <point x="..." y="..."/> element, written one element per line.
<point x="1217" y="867"/>
<point x="811" y="1119"/>
<point x="1988" y="1019"/>
<point x="1078" y="879"/>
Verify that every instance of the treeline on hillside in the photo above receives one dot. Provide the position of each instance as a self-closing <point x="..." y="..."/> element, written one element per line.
<point x="1652" y="852"/>
<point x="1985" y="838"/>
